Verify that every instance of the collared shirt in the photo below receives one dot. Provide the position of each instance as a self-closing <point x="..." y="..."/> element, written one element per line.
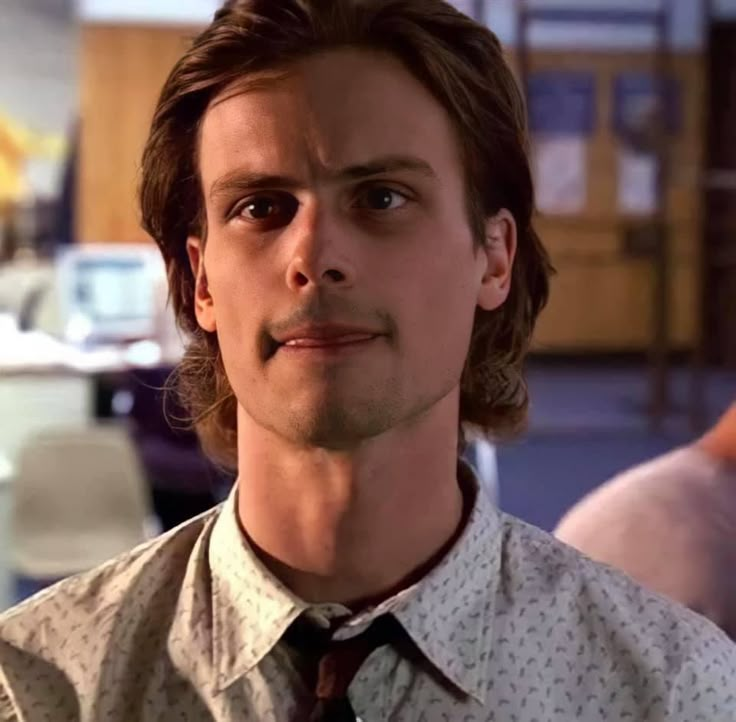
<point x="670" y="523"/>
<point x="510" y="625"/>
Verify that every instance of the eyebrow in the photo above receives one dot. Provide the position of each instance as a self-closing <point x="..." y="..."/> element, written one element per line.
<point x="243" y="180"/>
<point x="388" y="164"/>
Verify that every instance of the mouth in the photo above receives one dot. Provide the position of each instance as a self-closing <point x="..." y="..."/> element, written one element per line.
<point x="316" y="342"/>
<point x="325" y="339"/>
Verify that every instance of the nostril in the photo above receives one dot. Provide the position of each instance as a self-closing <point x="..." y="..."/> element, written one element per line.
<point x="301" y="279"/>
<point x="334" y="275"/>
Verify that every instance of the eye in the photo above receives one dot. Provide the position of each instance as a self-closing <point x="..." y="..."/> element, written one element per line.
<point x="381" y="198"/>
<point x="268" y="210"/>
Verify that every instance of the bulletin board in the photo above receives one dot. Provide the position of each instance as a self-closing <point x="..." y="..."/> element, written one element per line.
<point x="601" y="298"/>
<point x="562" y="116"/>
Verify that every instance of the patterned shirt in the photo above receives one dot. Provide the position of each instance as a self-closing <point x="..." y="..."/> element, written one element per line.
<point x="510" y="626"/>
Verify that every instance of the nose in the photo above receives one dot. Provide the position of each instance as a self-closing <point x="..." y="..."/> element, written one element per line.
<point x="320" y="256"/>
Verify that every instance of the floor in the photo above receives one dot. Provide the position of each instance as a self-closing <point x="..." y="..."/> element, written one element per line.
<point x="585" y="425"/>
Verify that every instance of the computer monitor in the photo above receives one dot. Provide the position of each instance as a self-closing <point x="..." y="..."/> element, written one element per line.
<point x="109" y="293"/>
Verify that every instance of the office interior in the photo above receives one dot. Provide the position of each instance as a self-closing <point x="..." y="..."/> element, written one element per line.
<point x="632" y="112"/>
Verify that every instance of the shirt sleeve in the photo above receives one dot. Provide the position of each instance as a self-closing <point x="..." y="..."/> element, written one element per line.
<point x="8" y="712"/>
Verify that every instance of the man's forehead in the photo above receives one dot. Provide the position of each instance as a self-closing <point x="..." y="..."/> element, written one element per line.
<point x="246" y="178"/>
<point x="269" y="123"/>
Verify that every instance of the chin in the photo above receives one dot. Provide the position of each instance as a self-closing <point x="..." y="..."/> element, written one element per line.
<point x="336" y="429"/>
<point x="334" y="426"/>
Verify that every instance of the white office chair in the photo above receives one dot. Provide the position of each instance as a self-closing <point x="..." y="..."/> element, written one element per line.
<point x="6" y="482"/>
<point x="481" y="455"/>
<point x="80" y="498"/>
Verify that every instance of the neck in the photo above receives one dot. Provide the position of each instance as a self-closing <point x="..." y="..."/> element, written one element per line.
<point x="351" y="527"/>
<point x="720" y="441"/>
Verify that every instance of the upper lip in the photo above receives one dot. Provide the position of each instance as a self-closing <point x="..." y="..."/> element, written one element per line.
<point x="324" y="331"/>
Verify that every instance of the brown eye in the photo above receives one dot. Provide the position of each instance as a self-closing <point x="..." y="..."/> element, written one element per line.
<point x="268" y="211"/>
<point x="260" y="208"/>
<point x="381" y="198"/>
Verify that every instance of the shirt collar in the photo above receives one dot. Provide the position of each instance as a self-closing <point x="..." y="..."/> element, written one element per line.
<point x="447" y="614"/>
<point x="251" y="608"/>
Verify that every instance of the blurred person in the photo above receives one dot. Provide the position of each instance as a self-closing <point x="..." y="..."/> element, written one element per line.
<point x="670" y="523"/>
<point x="183" y="481"/>
<point x="342" y="195"/>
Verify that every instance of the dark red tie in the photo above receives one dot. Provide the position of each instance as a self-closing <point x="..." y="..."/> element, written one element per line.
<point x="338" y="661"/>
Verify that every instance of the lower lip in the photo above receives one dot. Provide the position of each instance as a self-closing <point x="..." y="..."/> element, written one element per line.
<point x="328" y="350"/>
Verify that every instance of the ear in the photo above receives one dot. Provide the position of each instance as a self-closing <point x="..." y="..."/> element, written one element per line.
<point x="204" y="307"/>
<point x="498" y="253"/>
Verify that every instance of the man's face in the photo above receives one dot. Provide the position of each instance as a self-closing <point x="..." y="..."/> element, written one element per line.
<point x="339" y="270"/>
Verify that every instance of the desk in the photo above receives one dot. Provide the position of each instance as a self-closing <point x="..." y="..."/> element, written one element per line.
<point x="35" y="352"/>
<point x="44" y="382"/>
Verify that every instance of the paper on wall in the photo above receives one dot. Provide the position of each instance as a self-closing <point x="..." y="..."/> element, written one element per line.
<point x="560" y="171"/>
<point x="637" y="182"/>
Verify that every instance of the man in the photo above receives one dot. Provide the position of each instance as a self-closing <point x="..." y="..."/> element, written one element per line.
<point x="343" y="198"/>
<point x="671" y="524"/>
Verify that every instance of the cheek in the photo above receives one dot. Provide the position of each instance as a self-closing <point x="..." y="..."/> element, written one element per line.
<point x="234" y="287"/>
<point x="233" y="275"/>
<point x="437" y="297"/>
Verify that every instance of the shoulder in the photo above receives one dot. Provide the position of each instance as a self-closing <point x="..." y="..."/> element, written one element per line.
<point x="67" y="631"/>
<point x="670" y="480"/>
<point x="627" y="520"/>
<point x="600" y="615"/>
<point x="550" y="566"/>
<point x="669" y="524"/>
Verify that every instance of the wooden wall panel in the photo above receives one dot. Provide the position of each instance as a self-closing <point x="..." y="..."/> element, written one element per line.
<point x="122" y="71"/>
<point x="609" y="307"/>
<point x="601" y="298"/>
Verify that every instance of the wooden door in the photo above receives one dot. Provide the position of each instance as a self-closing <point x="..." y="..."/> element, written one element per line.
<point x="720" y="198"/>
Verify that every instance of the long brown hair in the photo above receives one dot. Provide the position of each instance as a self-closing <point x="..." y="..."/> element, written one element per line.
<point x="462" y="64"/>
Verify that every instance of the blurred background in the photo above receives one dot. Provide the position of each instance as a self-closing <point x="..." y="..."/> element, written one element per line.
<point x="632" y="108"/>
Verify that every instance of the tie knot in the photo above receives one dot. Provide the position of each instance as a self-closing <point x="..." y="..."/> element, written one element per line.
<point x="338" y="661"/>
<point x="342" y="659"/>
